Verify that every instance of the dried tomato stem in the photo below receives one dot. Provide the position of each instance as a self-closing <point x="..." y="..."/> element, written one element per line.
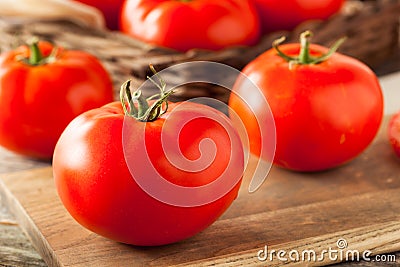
<point x="136" y="105"/>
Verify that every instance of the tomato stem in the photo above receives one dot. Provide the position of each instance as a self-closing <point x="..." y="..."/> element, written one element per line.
<point x="136" y="105"/>
<point x="305" y="58"/>
<point x="35" y="57"/>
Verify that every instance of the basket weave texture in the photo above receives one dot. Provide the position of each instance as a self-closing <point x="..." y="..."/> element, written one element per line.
<point x="372" y="28"/>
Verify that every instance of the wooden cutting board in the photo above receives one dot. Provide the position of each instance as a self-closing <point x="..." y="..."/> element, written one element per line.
<point x="359" y="202"/>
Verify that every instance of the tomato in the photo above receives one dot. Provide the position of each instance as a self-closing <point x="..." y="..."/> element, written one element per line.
<point x="41" y="93"/>
<point x="107" y="165"/>
<point x="278" y="15"/>
<point x="394" y="133"/>
<point x="327" y="106"/>
<point x="183" y="25"/>
<point x="111" y="10"/>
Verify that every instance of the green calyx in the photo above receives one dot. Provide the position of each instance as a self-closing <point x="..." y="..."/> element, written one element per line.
<point x="36" y="57"/>
<point x="305" y="58"/>
<point x="136" y="105"/>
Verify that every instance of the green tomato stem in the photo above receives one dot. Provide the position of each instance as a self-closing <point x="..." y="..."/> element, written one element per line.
<point x="305" y="57"/>
<point x="35" y="57"/>
<point x="136" y="105"/>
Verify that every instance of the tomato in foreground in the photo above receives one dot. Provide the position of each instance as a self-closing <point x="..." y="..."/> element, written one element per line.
<point x="277" y="15"/>
<point x="327" y="106"/>
<point x="97" y="162"/>
<point x="42" y="89"/>
<point x="183" y="25"/>
<point x="111" y="10"/>
<point x="394" y="133"/>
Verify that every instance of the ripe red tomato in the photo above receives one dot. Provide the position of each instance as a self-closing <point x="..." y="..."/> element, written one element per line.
<point x="183" y="25"/>
<point x="111" y="10"/>
<point x="39" y="98"/>
<point x="325" y="113"/>
<point x="394" y="133"/>
<point x="106" y="167"/>
<point x="279" y="15"/>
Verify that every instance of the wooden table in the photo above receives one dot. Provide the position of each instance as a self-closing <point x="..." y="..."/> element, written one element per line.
<point x="15" y="247"/>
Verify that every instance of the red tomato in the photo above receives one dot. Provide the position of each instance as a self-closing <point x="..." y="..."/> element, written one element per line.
<point x="39" y="99"/>
<point x="394" y="133"/>
<point x="325" y="113"/>
<point x="111" y="10"/>
<point x="97" y="163"/>
<point x="183" y="25"/>
<point x="278" y="15"/>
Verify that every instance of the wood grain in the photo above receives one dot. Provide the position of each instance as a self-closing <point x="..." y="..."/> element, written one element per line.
<point x="15" y="247"/>
<point x="358" y="202"/>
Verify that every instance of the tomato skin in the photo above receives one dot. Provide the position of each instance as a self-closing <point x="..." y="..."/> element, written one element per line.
<point x="38" y="102"/>
<point x="111" y="10"/>
<point x="95" y="185"/>
<point x="278" y="15"/>
<point x="325" y="114"/>
<point x="394" y="133"/>
<point x="203" y="24"/>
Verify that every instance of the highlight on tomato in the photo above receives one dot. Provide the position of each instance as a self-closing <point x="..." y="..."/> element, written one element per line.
<point x="327" y="106"/>
<point x="42" y="88"/>
<point x="277" y="15"/>
<point x="186" y="24"/>
<point x="148" y="172"/>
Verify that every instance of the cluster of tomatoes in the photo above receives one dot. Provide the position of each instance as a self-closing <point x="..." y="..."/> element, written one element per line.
<point x="58" y="104"/>
<point x="207" y="24"/>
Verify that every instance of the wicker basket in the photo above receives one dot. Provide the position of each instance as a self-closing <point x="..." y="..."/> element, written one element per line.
<point x="372" y="28"/>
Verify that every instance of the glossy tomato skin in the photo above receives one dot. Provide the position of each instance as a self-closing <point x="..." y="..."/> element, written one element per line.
<point x="278" y="15"/>
<point x="394" y="133"/>
<point x="183" y="25"/>
<point x="38" y="102"/>
<point x="111" y="10"/>
<point x="325" y="114"/>
<point x="97" y="188"/>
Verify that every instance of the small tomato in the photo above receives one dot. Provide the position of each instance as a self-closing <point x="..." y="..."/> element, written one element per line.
<point x="394" y="133"/>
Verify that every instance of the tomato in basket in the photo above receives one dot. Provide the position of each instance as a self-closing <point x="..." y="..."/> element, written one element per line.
<point x="183" y="25"/>
<point x="277" y="15"/>
<point x="111" y="10"/>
